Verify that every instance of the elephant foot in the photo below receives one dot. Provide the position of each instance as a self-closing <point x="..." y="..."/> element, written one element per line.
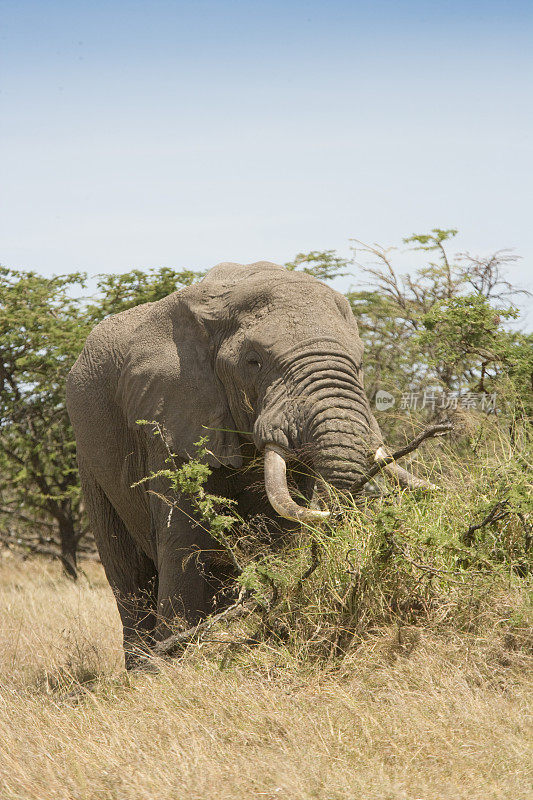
<point x="139" y="660"/>
<point x="145" y="666"/>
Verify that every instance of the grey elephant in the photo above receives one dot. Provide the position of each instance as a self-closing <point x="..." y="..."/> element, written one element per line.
<point x="258" y="359"/>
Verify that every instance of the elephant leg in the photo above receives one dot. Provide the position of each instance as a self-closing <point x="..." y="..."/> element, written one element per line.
<point x="185" y="591"/>
<point x="131" y="574"/>
<point x="192" y="575"/>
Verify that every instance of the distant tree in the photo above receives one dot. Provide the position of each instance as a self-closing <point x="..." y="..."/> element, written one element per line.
<point x="117" y="292"/>
<point x="43" y="326"/>
<point x="468" y="334"/>
<point x="322" y="264"/>
<point x="402" y="317"/>
<point x="41" y="331"/>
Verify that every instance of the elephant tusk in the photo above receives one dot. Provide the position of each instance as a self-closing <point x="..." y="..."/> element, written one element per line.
<point x="403" y="476"/>
<point x="381" y="455"/>
<point x="278" y="492"/>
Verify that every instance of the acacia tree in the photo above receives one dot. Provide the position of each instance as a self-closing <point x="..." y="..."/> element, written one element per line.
<point x="42" y="330"/>
<point x="117" y="293"/>
<point x="442" y="324"/>
<point x="322" y="264"/>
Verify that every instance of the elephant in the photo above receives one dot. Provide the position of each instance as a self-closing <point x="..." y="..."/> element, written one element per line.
<point x="266" y="363"/>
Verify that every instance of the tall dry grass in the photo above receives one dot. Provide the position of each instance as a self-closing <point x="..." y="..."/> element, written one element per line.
<point x="400" y="668"/>
<point x="407" y="714"/>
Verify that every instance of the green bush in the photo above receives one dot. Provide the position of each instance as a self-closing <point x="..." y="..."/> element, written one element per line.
<point x="450" y="559"/>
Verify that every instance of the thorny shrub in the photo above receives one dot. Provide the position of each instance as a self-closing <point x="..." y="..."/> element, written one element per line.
<point x="454" y="558"/>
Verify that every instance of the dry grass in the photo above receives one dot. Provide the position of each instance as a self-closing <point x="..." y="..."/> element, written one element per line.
<point x="413" y="715"/>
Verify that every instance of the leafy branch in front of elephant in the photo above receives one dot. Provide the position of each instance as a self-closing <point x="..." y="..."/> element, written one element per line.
<point x="189" y="479"/>
<point x="264" y="580"/>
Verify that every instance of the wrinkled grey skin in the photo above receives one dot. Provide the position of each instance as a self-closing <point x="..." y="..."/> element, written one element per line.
<point x="251" y="355"/>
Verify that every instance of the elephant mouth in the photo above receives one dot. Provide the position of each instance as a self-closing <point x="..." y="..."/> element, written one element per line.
<point x="277" y="490"/>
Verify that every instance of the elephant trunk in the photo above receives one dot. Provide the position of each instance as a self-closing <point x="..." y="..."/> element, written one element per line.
<point x="331" y="415"/>
<point x="335" y="469"/>
<point x="338" y="455"/>
<point x="336" y="429"/>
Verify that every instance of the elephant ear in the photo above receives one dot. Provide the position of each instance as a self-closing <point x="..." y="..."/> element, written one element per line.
<point x="167" y="377"/>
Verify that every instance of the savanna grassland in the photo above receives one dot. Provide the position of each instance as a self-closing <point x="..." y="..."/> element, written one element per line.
<point x="409" y="714"/>
<point x="401" y="668"/>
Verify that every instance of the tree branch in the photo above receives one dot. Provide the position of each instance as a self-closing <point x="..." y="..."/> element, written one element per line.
<point x="24" y="518"/>
<point x="497" y="512"/>
<point x="434" y="430"/>
<point x="176" y="642"/>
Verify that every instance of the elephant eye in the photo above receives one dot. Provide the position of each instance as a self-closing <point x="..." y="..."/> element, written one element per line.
<point x="253" y="360"/>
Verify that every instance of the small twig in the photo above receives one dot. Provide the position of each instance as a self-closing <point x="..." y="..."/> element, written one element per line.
<point x="315" y="561"/>
<point x="355" y="582"/>
<point x="39" y="523"/>
<point x="434" y="430"/>
<point x="496" y="513"/>
<point x="527" y="531"/>
<point x="427" y="569"/>
<point x="177" y="641"/>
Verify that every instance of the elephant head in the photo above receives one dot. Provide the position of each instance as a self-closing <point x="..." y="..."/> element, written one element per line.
<point x="259" y="352"/>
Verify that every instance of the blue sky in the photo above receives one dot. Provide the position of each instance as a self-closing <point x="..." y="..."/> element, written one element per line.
<point x="139" y="134"/>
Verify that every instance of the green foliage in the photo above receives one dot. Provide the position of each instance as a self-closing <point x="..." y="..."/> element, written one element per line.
<point x="448" y="560"/>
<point x="117" y="293"/>
<point x="322" y="264"/>
<point x="441" y="325"/>
<point x="517" y="355"/>
<point x="189" y="480"/>
<point x="431" y="241"/>
<point x="464" y="326"/>
<point x="41" y="332"/>
<point x="466" y="332"/>
<point x="410" y="560"/>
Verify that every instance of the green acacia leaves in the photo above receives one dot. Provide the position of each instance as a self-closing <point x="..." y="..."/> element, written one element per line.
<point x="43" y="326"/>
<point x="322" y="264"/>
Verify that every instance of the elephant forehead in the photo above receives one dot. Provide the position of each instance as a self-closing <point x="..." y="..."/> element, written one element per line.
<point x="295" y="300"/>
<point x="292" y="331"/>
<point x="240" y="291"/>
<point x="298" y="306"/>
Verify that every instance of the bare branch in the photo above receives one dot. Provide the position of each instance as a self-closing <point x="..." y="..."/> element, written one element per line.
<point x="177" y="641"/>
<point x="14" y="513"/>
<point x="434" y="430"/>
<point x="497" y="512"/>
